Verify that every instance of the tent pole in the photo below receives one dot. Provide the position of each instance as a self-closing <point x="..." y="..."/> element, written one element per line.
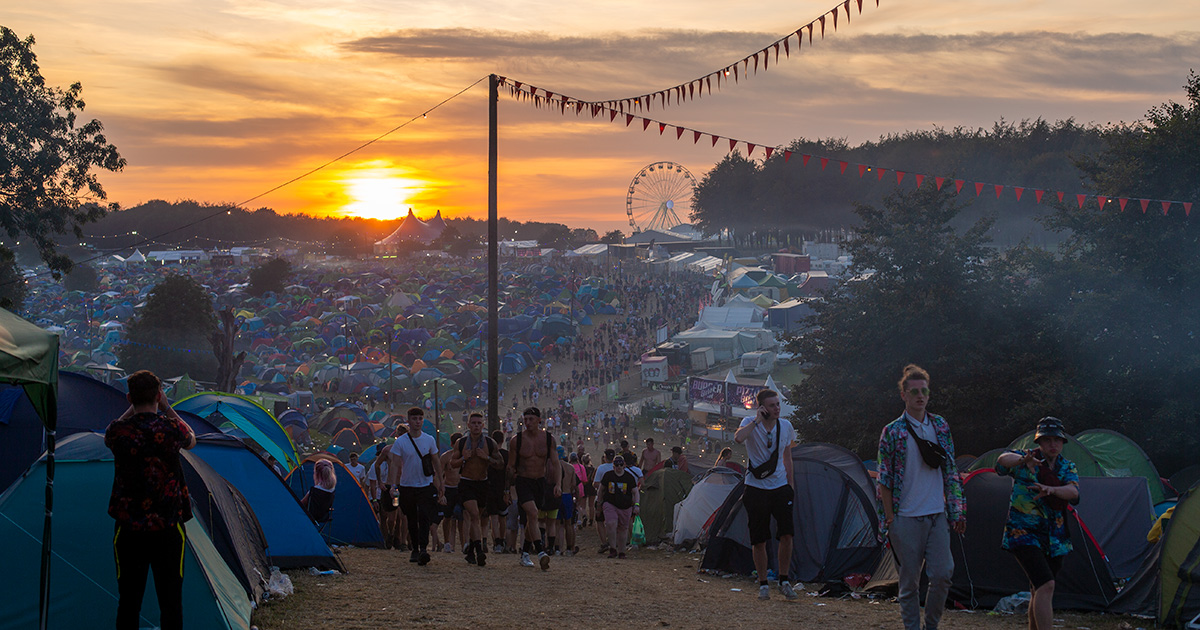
<point x="493" y="351"/>
<point x="44" y="590"/>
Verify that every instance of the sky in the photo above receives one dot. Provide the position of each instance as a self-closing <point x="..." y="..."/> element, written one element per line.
<point x="222" y="100"/>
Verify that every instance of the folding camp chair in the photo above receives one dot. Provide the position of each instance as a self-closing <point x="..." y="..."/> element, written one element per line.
<point x="320" y="507"/>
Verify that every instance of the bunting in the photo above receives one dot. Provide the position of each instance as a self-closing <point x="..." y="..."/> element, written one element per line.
<point x="524" y="92"/>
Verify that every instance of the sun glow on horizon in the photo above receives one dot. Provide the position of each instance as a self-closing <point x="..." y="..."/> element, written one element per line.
<point x="379" y="192"/>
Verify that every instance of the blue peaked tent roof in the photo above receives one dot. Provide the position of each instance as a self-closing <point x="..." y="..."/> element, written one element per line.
<point x="83" y="580"/>
<point x="256" y="422"/>
<point x="292" y="540"/>
<point x="353" y="521"/>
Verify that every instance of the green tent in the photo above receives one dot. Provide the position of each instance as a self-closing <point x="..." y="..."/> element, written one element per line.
<point x="84" y="592"/>
<point x="1180" y="568"/>
<point x="661" y="490"/>
<point x="1120" y="456"/>
<point x="29" y="358"/>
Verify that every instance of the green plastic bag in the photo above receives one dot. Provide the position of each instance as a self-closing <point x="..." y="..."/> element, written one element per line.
<point x="639" y="531"/>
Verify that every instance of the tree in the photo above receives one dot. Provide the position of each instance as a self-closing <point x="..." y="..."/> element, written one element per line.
<point x="269" y="276"/>
<point x="171" y="334"/>
<point x="921" y="293"/>
<point x="47" y="186"/>
<point x="13" y="289"/>
<point x="223" y="339"/>
<point x="554" y="235"/>
<point x="725" y="196"/>
<point x="615" y="237"/>
<point x="453" y="241"/>
<point x="583" y="236"/>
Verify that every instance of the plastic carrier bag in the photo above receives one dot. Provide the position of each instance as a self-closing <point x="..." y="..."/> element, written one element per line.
<point x="639" y="531"/>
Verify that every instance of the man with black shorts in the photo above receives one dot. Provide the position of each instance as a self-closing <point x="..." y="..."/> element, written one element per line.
<point x="531" y="461"/>
<point x="451" y="513"/>
<point x="498" y="499"/>
<point x="415" y="474"/>
<point x="473" y="455"/>
<point x="769" y="494"/>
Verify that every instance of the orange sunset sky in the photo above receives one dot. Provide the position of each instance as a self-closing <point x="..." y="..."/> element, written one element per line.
<point x="219" y="101"/>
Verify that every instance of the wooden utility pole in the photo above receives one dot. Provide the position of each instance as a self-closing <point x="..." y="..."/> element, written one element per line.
<point x="493" y="351"/>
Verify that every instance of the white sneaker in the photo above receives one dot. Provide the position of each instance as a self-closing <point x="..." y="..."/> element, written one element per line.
<point x="525" y="561"/>
<point x="785" y="587"/>
<point x="764" y="592"/>
<point x="448" y="548"/>
<point x="544" y="560"/>
<point x="498" y="549"/>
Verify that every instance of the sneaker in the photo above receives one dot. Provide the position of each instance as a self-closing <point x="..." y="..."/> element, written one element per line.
<point x="544" y="560"/>
<point x="470" y="555"/>
<point x="558" y="552"/>
<point x="498" y="549"/>
<point x="568" y="553"/>
<point x="423" y="559"/>
<point x="481" y="558"/>
<point x="612" y="553"/>
<point x="764" y="592"/>
<point x="789" y="593"/>
<point x="620" y="556"/>
<point x="525" y="561"/>
<point x="413" y="556"/>
<point x="448" y="548"/>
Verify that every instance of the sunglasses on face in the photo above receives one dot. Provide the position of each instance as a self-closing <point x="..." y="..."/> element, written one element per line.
<point x="919" y="391"/>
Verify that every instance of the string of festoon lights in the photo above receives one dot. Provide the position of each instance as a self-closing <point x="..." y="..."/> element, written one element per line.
<point x="542" y="98"/>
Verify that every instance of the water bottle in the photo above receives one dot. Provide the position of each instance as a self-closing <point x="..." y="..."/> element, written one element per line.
<point x="395" y="497"/>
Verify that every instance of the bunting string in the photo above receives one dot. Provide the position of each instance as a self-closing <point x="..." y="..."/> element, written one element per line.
<point x="735" y="72"/>
<point x="541" y="98"/>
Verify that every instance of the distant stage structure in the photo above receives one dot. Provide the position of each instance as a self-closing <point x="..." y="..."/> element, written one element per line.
<point x="658" y="196"/>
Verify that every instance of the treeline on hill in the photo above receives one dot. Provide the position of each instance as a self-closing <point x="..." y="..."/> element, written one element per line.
<point x="161" y="222"/>
<point x="1101" y="331"/>
<point x="789" y="200"/>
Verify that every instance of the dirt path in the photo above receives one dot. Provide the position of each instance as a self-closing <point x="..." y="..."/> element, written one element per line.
<point x="651" y="589"/>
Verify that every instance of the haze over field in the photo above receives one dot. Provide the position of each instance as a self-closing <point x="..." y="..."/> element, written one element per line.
<point x="221" y="100"/>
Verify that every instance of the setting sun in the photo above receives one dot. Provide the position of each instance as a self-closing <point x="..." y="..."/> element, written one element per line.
<point x="378" y="193"/>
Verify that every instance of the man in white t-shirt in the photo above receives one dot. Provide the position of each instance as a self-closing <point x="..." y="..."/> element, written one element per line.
<point x="769" y="493"/>
<point x="360" y="471"/>
<point x="417" y="491"/>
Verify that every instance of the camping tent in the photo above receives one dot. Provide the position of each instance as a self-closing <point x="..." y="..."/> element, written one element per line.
<point x="84" y="578"/>
<point x="834" y="516"/>
<point x="249" y="417"/>
<point x="353" y="521"/>
<point x="292" y="540"/>
<point x="984" y="573"/>
<point x="694" y="511"/>
<point x="1120" y="456"/>
<point x="661" y="491"/>
<point x="1167" y="586"/>
<point x="29" y="358"/>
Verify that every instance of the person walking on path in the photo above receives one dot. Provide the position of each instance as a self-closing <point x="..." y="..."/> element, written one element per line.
<point x="415" y="474"/>
<point x="149" y="502"/>
<point x="1044" y="484"/>
<point x="920" y="499"/>
<point x="769" y="493"/>
<point x="620" y="500"/>
<point x="474" y="454"/>
<point x="531" y="460"/>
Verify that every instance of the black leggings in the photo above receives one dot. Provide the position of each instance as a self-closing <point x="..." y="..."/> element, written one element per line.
<point x="138" y="552"/>
<point x="419" y="507"/>
<point x="1038" y="567"/>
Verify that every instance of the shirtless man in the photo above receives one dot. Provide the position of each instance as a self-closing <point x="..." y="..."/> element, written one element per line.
<point x="452" y="511"/>
<point x="474" y="454"/>
<point x="531" y="461"/>
<point x="566" y="509"/>
<point x="650" y="456"/>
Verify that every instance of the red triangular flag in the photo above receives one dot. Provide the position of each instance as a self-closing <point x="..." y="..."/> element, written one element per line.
<point x="661" y="128"/>
<point x="1080" y="199"/>
<point x="612" y="115"/>
<point x="879" y="174"/>
<point x="899" y="177"/>
<point x="920" y="177"/>
<point x="628" y="119"/>
<point x="646" y="123"/>
<point x="824" y="163"/>
<point x="810" y="31"/>
<point x="787" y="155"/>
<point x="958" y="184"/>
<point x="749" y="149"/>
<point x="1060" y="195"/>
<point x="1166" y="206"/>
<point x="1018" y="191"/>
<point x="776" y="52"/>
<point x="735" y="73"/>
<point x="844" y="165"/>
<point x="936" y="180"/>
<point x="860" y="7"/>
<point x="787" y="49"/>
<point x="807" y="157"/>
<point x="678" y="132"/>
<point x="755" y="63"/>
<point x="1103" y="200"/>
<point x="769" y="151"/>
<point x="1187" y="208"/>
<point x="1145" y="204"/>
<point x="978" y="188"/>
<point x="846" y="5"/>
<point x="999" y="189"/>
<point x="517" y="85"/>
<point x="578" y="106"/>
<point x="835" y="12"/>
<point x="697" y="135"/>
<point x="1037" y="193"/>
<point x="549" y="94"/>
<point x="692" y="90"/>
<point x="822" y="18"/>
<point x="715" y="138"/>
<point x="862" y="168"/>
<point x="732" y="143"/>
<point x="1121" y="202"/>
<point x="766" y="58"/>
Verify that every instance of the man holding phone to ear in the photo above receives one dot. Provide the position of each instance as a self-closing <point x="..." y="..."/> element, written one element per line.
<point x="769" y="492"/>
<point x="921" y="499"/>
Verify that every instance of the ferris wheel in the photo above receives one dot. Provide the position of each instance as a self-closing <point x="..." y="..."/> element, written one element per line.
<point x="658" y="195"/>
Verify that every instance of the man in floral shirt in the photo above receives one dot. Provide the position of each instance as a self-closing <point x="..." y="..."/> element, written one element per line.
<point x="920" y="502"/>
<point x="149" y="502"/>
